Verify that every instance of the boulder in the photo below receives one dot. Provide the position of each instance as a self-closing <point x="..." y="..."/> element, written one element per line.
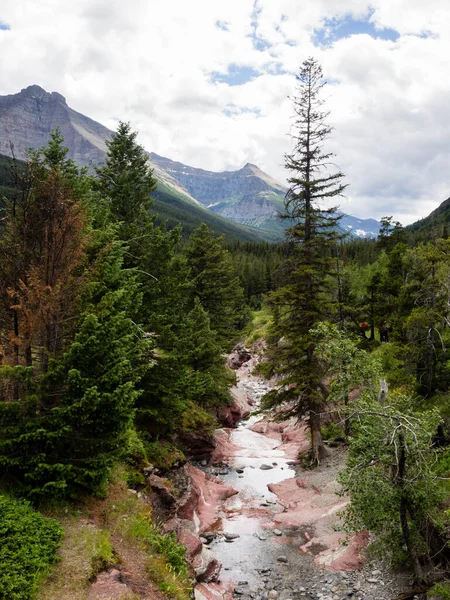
<point x="238" y="357"/>
<point x="239" y="409"/>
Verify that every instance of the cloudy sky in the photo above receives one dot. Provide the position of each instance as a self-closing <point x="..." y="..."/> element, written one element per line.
<point x="207" y="82"/>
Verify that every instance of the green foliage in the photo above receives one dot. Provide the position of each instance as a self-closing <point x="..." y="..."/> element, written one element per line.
<point x="258" y="328"/>
<point x="390" y="475"/>
<point x="126" y="179"/>
<point x="173" y="552"/>
<point x="395" y="363"/>
<point x="65" y="415"/>
<point x="304" y="297"/>
<point x="333" y="432"/>
<point x="135" y="452"/>
<point x="103" y="555"/>
<point x="85" y="399"/>
<point x="346" y="365"/>
<point x="256" y="265"/>
<point x="440" y="590"/>
<point x="216" y="285"/>
<point x="28" y="544"/>
<point x="163" y="454"/>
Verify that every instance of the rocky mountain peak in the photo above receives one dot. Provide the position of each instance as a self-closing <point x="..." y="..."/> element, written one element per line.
<point x="35" y="91"/>
<point x="250" y="167"/>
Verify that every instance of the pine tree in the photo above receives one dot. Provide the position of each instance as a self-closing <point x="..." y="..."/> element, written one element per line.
<point x="305" y="299"/>
<point x="126" y="180"/>
<point x="216" y="284"/>
<point x="45" y="232"/>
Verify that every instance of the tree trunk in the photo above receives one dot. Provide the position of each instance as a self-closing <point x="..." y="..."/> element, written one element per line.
<point x="16" y="352"/>
<point x="403" y="511"/>
<point x="347" y="428"/>
<point x="318" y="451"/>
<point x="372" y="317"/>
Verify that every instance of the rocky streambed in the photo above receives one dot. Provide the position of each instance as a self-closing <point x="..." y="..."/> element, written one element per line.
<point x="258" y="526"/>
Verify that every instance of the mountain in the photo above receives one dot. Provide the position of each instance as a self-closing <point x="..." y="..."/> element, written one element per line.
<point x="362" y="228"/>
<point x="248" y="196"/>
<point x="26" y="120"/>
<point x="435" y="222"/>
<point x="244" y="204"/>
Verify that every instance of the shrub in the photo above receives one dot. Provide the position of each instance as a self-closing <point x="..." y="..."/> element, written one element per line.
<point x="28" y="544"/>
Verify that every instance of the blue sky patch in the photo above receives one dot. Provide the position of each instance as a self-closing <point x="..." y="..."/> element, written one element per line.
<point x="223" y="25"/>
<point x="233" y="110"/>
<point x="4" y="26"/>
<point x="236" y="75"/>
<point x="336" y="29"/>
<point x="259" y="43"/>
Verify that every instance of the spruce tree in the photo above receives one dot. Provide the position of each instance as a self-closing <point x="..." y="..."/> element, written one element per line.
<point x="216" y="285"/>
<point x="126" y="180"/>
<point x="304" y="298"/>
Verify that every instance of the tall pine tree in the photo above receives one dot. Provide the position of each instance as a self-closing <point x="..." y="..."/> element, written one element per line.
<point x="216" y="285"/>
<point x="126" y="180"/>
<point x="305" y="297"/>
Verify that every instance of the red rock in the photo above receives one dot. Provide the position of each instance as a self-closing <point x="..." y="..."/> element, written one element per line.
<point x="212" y="591"/>
<point x="201" y="501"/>
<point x="225" y="449"/>
<point x="240" y="408"/>
<point x="238" y="357"/>
<point x="190" y="541"/>
<point x="206" y="567"/>
<point x="108" y="587"/>
<point x="293" y="436"/>
<point x="343" y="558"/>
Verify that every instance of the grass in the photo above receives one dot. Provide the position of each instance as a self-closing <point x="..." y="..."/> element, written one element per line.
<point x="257" y="329"/>
<point x="117" y="530"/>
<point x="86" y="550"/>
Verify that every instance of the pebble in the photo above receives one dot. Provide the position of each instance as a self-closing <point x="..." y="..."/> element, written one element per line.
<point x="239" y="591"/>
<point x="282" y="559"/>
<point x="272" y="594"/>
<point x="277" y="532"/>
<point x="265" y="467"/>
<point x="231" y="536"/>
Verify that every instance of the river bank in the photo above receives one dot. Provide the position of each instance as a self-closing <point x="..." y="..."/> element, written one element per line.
<point x="276" y="531"/>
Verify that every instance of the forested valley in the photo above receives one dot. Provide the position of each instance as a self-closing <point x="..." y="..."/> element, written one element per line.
<point x="114" y="336"/>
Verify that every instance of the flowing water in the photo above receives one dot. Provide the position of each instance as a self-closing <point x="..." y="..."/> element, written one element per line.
<point x="259" y="561"/>
<point x="249" y="513"/>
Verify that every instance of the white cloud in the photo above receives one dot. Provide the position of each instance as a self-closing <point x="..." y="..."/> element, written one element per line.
<point x="153" y="63"/>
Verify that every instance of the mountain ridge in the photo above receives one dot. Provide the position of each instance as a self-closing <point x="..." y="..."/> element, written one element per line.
<point x="249" y="197"/>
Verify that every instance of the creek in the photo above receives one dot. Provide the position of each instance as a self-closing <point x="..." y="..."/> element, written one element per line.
<point x="280" y="543"/>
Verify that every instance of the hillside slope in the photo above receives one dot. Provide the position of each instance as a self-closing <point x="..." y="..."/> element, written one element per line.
<point x="435" y="222"/>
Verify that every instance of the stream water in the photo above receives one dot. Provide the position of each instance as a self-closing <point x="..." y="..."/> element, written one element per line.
<point x="262" y="559"/>
<point x="256" y="463"/>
